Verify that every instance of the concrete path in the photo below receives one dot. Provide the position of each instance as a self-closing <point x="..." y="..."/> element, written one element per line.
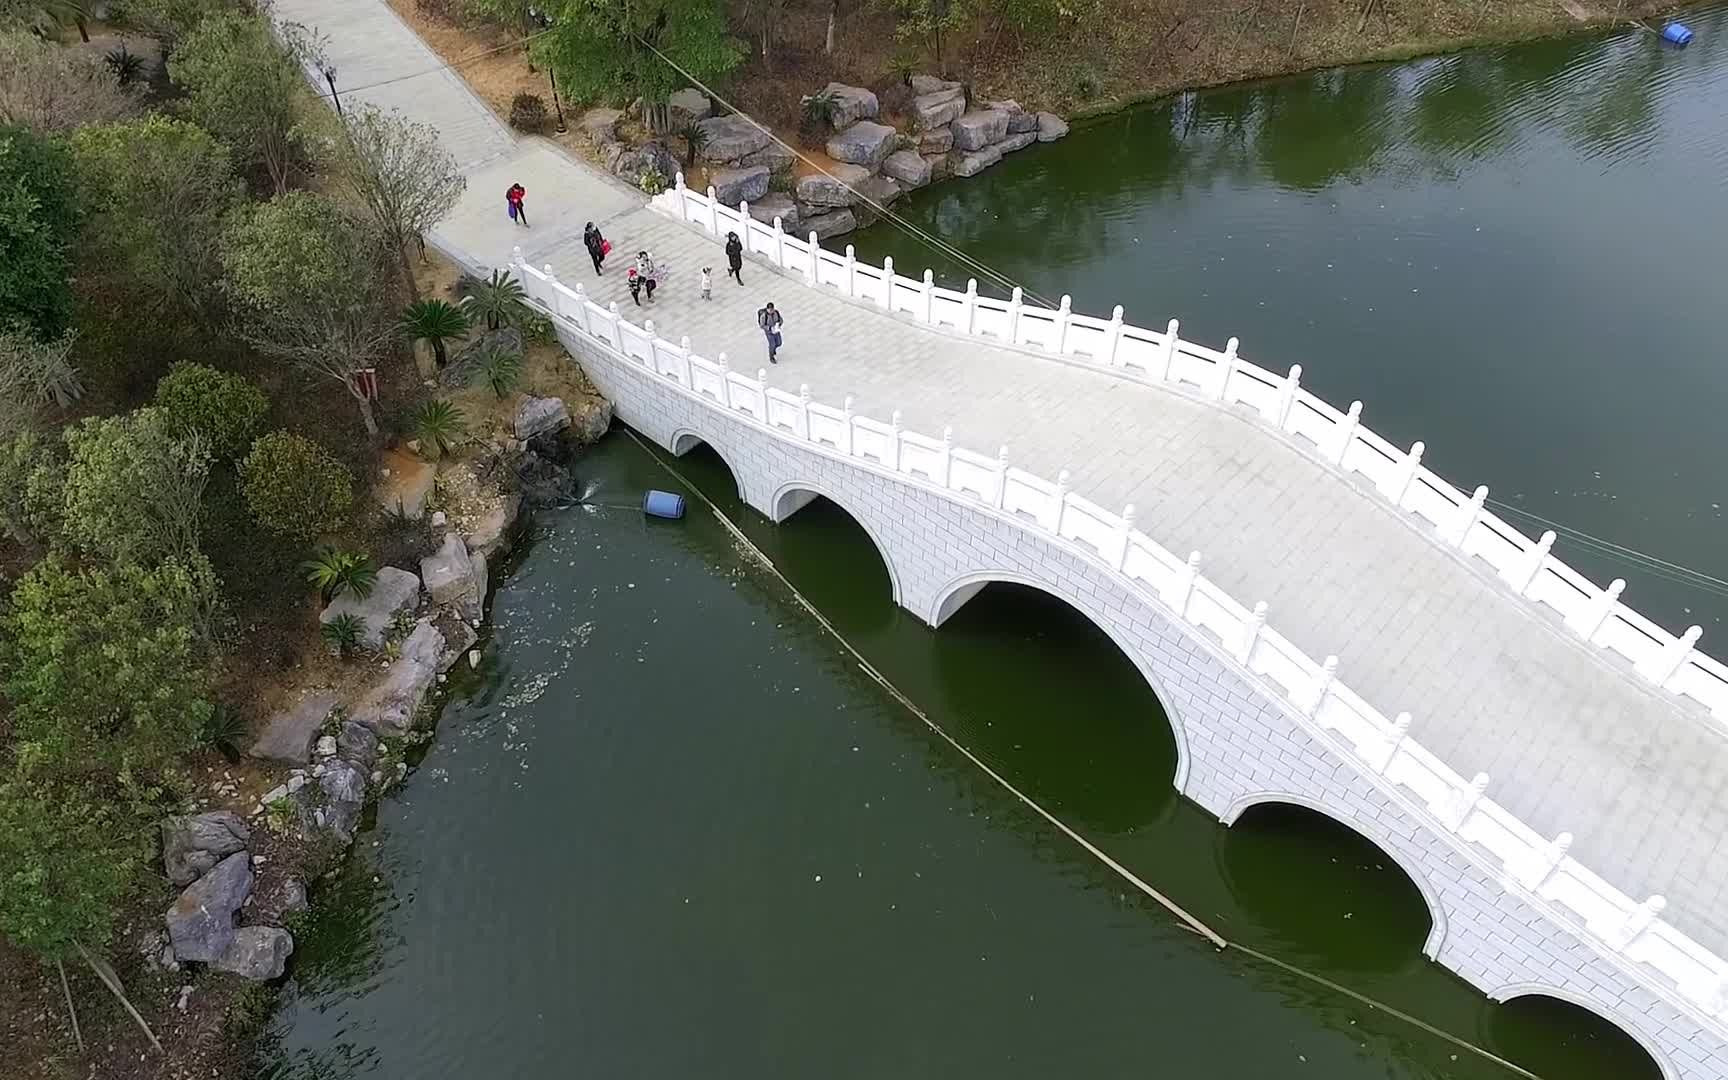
<point x="1573" y="741"/>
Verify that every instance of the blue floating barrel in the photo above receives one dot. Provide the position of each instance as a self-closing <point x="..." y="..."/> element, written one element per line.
<point x="1676" y="33"/>
<point x="663" y="504"/>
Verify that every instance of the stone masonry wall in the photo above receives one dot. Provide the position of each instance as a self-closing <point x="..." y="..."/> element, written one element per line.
<point x="1237" y="744"/>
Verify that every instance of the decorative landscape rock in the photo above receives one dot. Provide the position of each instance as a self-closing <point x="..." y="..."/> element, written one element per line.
<point x="631" y="165"/>
<point x="600" y="125"/>
<point x="693" y="103"/>
<point x="472" y="604"/>
<point x="1019" y="120"/>
<point x="357" y="743"/>
<point x="775" y="156"/>
<point x="193" y="844"/>
<point x="832" y="223"/>
<point x="908" y="168"/>
<point x="851" y="104"/>
<point x="939" y="165"/>
<point x="732" y="186"/>
<point x="344" y="787"/>
<point x="930" y="111"/>
<point x="394" y="592"/>
<point x="821" y="190"/>
<point x="936" y="141"/>
<point x="930" y="84"/>
<point x="257" y="952"/>
<point x="975" y="162"/>
<point x="448" y="573"/>
<point x="540" y="415"/>
<point x="729" y="138"/>
<point x="977" y="129"/>
<point x="879" y="191"/>
<point x="1017" y="142"/>
<point x="1051" y="127"/>
<point x="865" y="143"/>
<point x="773" y="205"/>
<point x="591" y="419"/>
<point x="288" y="734"/>
<point x="389" y="707"/>
<point x="490" y="533"/>
<point x="201" y="921"/>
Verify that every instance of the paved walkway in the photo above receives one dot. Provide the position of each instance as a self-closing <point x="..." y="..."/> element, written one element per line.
<point x="1573" y="741"/>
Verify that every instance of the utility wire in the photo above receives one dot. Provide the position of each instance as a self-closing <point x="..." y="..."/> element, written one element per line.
<point x="1187" y="921"/>
<point x="1640" y="560"/>
<point x="899" y="222"/>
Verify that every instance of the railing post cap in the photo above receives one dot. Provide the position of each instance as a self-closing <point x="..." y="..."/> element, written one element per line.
<point x="648" y="325"/>
<point x="1563" y="841"/>
<point x="1479" y="783"/>
<point x="678" y="178"/>
<point x="1260" y="611"/>
<point x="1330" y="665"/>
<point x="777" y="227"/>
<point x="761" y="374"/>
<point x="1616" y="587"/>
<point x="1402" y="722"/>
<point x="1193" y="560"/>
<point x="1692" y="634"/>
<point x="1656" y="904"/>
<point x="929" y="276"/>
<point x="849" y="251"/>
<point x="1116" y="313"/>
<point x="1015" y="296"/>
<point x="1480" y="495"/>
<point x="1232" y="345"/>
<point x="711" y="191"/>
<point x="1174" y="326"/>
<point x="1417" y="447"/>
<point x="1355" y="409"/>
<point x="613" y="307"/>
<point x="972" y="285"/>
<point x="1546" y="540"/>
<point x="1067" y="302"/>
<point x="684" y="343"/>
<point x="1295" y="372"/>
<point x="1128" y="512"/>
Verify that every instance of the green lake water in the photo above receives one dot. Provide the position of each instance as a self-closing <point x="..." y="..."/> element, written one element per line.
<point x="669" y="829"/>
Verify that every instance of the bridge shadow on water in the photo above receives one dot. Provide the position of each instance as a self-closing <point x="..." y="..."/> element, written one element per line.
<point x="1033" y="687"/>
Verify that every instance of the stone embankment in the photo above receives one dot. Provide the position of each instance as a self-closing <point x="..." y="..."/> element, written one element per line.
<point x="873" y="162"/>
<point x="343" y="744"/>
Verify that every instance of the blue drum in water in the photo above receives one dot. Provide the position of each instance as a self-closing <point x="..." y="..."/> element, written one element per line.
<point x="663" y="504"/>
<point x="1676" y="33"/>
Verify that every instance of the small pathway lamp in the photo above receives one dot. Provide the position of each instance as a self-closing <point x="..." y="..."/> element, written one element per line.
<point x="329" y="71"/>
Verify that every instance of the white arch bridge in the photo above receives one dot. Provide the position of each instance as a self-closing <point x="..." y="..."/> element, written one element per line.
<point x="1384" y="589"/>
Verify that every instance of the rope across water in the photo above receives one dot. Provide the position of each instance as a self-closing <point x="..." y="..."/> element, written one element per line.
<point x="1185" y="919"/>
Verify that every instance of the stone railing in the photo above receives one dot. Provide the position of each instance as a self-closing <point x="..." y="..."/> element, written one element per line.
<point x="1535" y="868"/>
<point x="1526" y="566"/>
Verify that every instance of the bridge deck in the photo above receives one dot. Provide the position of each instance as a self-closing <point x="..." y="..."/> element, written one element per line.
<point x="1573" y="740"/>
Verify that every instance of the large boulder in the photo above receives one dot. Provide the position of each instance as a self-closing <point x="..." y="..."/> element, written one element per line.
<point x="729" y="138"/>
<point x="851" y="104"/>
<point x="490" y="532"/>
<point x="201" y="921"/>
<point x="775" y="156"/>
<point x="288" y="734"/>
<point x="394" y="592"/>
<point x="936" y="141"/>
<point x="732" y="186"/>
<point x="592" y="419"/>
<point x="821" y="189"/>
<point x="257" y="952"/>
<point x="632" y="165"/>
<point x="692" y="103"/>
<point x="600" y="125"/>
<point x="540" y="416"/>
<point x="191" y="845"/>
<point x="939" y="165"/>
<point x="908" y="168"/>
<point x="1051" y="127"/>
<point x="865" y="143"/>
<point x="936" y="110"/>
<point x="357" y="743"/>
<point x="880" y="191"/>
<point x="344" y="787"/>
<point x="1019" y="120"/>
<point x="971" y="164"/>
<point x="829" y="224"/>
<point x="448" y="573"/>
<point x="1017" y="142"/>
<point x="776" y="204"/>
<point x="472" y="605"/>
<point x="979" y="128"/>
<point x="388" y="708"/>
<point x="930" y="84"/>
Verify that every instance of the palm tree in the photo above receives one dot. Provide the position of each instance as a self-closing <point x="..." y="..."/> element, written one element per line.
<point x="334" y="572"/>
<point x="57" y="13"/>
<point x="500" y="300"/>
<point x="439" y="426"/>
<point x="500" y="369"/>
<point x="435" y="322"/>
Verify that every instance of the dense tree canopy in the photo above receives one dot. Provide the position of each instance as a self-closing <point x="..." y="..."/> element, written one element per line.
<point x="133" y="489"/>
<point x="38" y="219"/>
<point x="605" y="49"/>
<point x="242" y="87"/>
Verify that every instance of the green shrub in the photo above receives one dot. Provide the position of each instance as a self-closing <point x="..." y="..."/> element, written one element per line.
<point x="294" y="487"/>
<point x="226" y="409"/>
<point x="528" y="113"/>
<point x="132" y="490"/>
<point x="500" y="369"/>
<point x="342" y="634"/>
<point x="334" y="572"/>
<point x="440" y="427"/>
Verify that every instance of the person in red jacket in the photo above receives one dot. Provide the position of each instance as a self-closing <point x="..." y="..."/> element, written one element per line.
<point x="513" y="197"/>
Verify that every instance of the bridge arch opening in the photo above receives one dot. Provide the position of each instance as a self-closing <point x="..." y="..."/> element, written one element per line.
<point x="823" y="523"/>
<point x="702" y="461"/>
<point x="1360" y="905"/>
<point x="1045" y="691"/>
<point x="1554" y="1032"/>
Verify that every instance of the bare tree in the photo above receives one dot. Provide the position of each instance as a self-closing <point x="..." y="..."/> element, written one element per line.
<point x="49" y="89"/>
<point x="406" y="179"/>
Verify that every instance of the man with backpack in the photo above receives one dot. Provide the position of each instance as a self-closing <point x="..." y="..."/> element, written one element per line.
<point x="770" y="321"/>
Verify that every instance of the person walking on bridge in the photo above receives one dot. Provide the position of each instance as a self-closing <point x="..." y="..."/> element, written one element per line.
<point x="770" y="321"/>
<point x="513" y="198"/>
<point x="596" y="244"/>
<point x="735" y="258"/>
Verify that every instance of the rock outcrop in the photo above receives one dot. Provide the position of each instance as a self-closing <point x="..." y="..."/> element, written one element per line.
<point x="865" y="143"/>
<point x="537" y="416"/>
<point x="850" y="104"/>
<point x="288" y="734"/>
<point x="1017" y="142"/>
<point x="729" y="138"/>
<point x="937" y="141"/>
<point x="930" y="111"/>
<point x="908" y="168"/>
<point x="773" y="205"/>
<point x="600" y="125"/>
<point x="388" y="708"/>
<point x="192" y="845"/>
<point x="690" y="104"/>
<point x="977" y="129"/>
<point x="930" y="84"/>
<point x="732" y="186"/>
<point x="394" y="592"/>
<point x="448" y="572"/>
<point x="822" y="190"/>
<point x="257" y="952"/>
<point x="830" y="224"/>
<point x="344" y="788"/>
<point x="201" y="921"/>
<point x="971" y="164"/>
<point x="1051" y="127"/>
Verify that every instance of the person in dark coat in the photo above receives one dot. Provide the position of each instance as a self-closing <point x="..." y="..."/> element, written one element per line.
<point x="734" y="257"/>
<point x="770" y="321"/>
<point x="596" y="245"/>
